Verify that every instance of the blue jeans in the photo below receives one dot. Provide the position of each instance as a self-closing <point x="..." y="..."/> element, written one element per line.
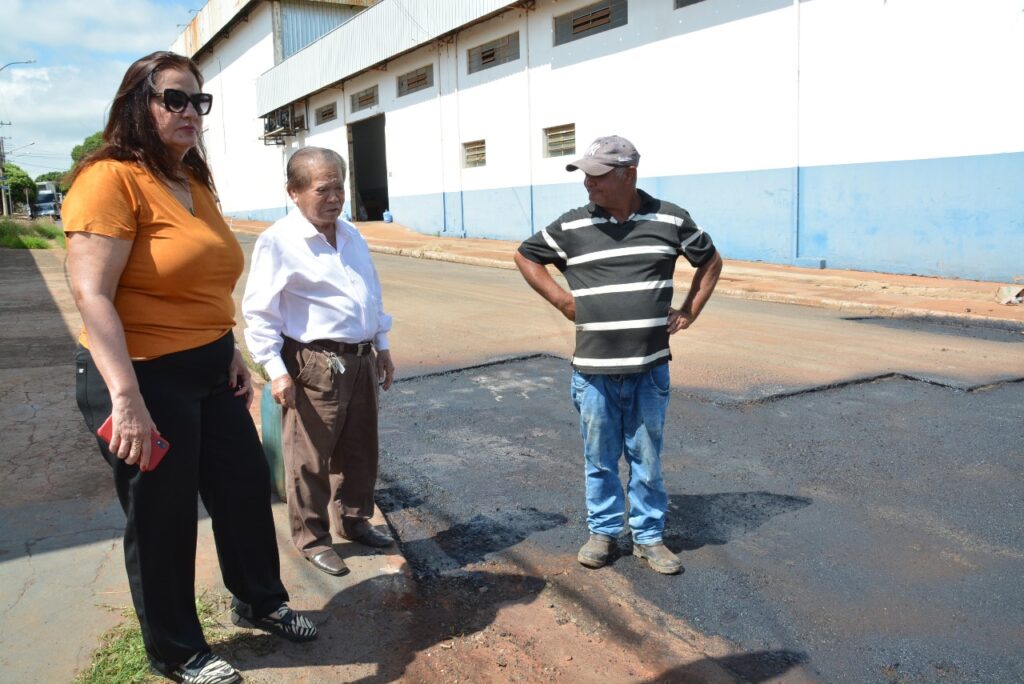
<point x="624" y="414"/>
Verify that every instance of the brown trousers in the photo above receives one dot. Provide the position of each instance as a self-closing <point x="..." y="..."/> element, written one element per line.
<point x="330" y="443"/>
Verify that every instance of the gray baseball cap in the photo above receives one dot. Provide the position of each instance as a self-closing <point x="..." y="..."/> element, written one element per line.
<point x="605" y="154"/>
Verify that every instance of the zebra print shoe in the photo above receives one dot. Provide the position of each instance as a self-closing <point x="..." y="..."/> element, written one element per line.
<point x="205" y="668"/>
<point x="284" y="622"/>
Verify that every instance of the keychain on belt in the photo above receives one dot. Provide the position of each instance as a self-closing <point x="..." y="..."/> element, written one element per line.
<point x="334" y="361"/>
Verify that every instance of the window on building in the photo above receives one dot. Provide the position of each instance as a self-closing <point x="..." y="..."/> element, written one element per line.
<point x="326" y="113"/>
<point x="504" y="49"/>
<point x="416" y="80"/>
<point x="586" y="21"/>
<point x="686" y="3"/>
<point x="474" y="153"/>
<point x="364" y="99"/>
<point x="560" y="140"/>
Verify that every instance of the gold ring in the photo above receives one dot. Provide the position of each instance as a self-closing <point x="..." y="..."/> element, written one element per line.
<point x="136" y="448"/>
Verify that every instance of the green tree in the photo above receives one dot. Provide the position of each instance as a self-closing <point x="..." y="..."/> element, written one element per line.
<point x="19" y="182"/>
<point x="88" y="145"/>
<point x="57" y="176"/>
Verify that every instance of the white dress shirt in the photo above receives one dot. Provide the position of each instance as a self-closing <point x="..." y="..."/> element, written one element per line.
<point x="301" y="287"/>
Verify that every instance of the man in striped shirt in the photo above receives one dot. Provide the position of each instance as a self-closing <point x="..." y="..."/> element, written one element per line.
<point x="618" y="254"/>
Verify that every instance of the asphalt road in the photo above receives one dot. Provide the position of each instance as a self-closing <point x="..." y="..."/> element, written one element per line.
<point x="845" y="493"/>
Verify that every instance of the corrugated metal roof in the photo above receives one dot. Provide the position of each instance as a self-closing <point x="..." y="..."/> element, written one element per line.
<point x="217" y="16"/>
<point x="389" y="28"/>
<point x="303" y="22"/>
<point x="213" y="18"/>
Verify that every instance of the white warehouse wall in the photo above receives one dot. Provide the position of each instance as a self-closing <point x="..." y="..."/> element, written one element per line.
<point x="248" y="173"/>
<point x="910" y="79"/>
<point x="870" y="134"/>
<point x="701" y="91"/>
<point x="911" y="152"/>
<point x="691" y="102"/>
<point x="413" y="124"/>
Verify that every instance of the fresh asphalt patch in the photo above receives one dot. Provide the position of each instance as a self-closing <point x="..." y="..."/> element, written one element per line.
<point x="869" y="532"/>
<point x="995" y="330"/>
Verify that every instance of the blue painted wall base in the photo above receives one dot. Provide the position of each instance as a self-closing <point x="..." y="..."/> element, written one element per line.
<point x="960" y="217"/>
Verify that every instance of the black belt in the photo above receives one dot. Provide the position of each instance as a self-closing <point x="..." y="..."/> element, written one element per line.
<point x="359" y="349"/>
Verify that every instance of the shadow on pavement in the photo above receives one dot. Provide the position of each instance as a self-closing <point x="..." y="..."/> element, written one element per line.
<point x="443" y="550"/>
<point x="57" y="488"/>
<point x="699" y="520"/>
<point x="30" y="318"/>
<point x="461" y="544"/>
<point x="389" y="637"/>
<point x="758" y="666"/>
<point x="469" y="542"/>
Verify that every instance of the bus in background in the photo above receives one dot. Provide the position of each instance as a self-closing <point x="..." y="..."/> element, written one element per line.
<point x="47" y="202"/>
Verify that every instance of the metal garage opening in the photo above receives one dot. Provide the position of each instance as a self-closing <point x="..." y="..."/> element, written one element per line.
<point x="369" y="169"/>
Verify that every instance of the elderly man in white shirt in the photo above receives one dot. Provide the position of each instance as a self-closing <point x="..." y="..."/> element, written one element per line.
<point x="316" y="322"/>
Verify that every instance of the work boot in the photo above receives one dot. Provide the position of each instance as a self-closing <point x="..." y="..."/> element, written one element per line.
<point x="659" y="557"/>
<point x="594" y="553"/>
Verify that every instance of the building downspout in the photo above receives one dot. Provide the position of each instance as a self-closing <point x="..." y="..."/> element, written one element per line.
<point x="795" y="223"/>
<point x="440" y="126"/>
<point x="458" y="128"/>
<point x="277" y="31"/>
<point x="798" y="256"/>
<point x="529" y="116"/>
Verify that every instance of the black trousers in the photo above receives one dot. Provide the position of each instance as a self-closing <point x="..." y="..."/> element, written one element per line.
<point x="216" y="453"/>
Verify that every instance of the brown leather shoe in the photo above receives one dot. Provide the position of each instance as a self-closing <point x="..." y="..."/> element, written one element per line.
<point x="330" y="562"/>
<point x="366" y="534"/>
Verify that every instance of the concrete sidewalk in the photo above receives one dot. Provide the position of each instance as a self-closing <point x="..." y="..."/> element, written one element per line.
<point x="858" y="292"/>
<point x="62" y="579"/>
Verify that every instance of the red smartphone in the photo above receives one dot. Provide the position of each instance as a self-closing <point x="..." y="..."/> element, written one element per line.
<point x="158" y="446"/>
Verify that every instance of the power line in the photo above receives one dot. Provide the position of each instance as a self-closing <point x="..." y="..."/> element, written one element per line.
<point x="43" y="167"/>
<point x="39" y="162"/>
<point x="43" y="156"/>
<point x="40" y="156"/>
<point x="43" y="150"/>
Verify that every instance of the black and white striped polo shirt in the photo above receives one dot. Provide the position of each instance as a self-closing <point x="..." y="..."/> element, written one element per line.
<point x="620" y="275"/>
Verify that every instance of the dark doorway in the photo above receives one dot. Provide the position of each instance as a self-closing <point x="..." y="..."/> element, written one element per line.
<point x="369" y="169"/>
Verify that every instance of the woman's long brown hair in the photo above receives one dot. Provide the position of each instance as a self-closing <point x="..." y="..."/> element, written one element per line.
<point x="131" y="134"/>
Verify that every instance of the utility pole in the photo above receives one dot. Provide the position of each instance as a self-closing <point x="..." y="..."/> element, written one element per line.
<point x="5" y="189"/>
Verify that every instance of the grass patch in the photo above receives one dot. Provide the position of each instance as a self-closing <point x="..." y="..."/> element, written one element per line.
<point x="43" y="234"/>
<point x="256" y="368"/>
<point x="121" y="657"/>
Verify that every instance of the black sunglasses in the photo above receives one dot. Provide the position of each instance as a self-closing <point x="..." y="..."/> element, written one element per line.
<point x="176" y="101"/>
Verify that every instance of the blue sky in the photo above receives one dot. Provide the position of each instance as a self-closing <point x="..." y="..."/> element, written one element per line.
<point x="82" y="49"/>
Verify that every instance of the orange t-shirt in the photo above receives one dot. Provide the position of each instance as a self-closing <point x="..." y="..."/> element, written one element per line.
<point x="175" y="291"/>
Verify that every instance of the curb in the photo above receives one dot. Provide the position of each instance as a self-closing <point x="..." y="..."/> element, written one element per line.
<point x="878" y="310"/>
<point x="442" y="256"/>
<point x="874" y="310"/>
<point x="861" y="308"/>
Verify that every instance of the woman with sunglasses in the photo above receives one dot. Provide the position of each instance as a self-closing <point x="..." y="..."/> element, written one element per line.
<point x="152" y="266"/>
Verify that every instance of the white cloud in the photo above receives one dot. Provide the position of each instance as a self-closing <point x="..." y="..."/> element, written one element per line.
<point x="105" y="26"/>
<point x="82" y="49"/>
<point x="55" y="108"/>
